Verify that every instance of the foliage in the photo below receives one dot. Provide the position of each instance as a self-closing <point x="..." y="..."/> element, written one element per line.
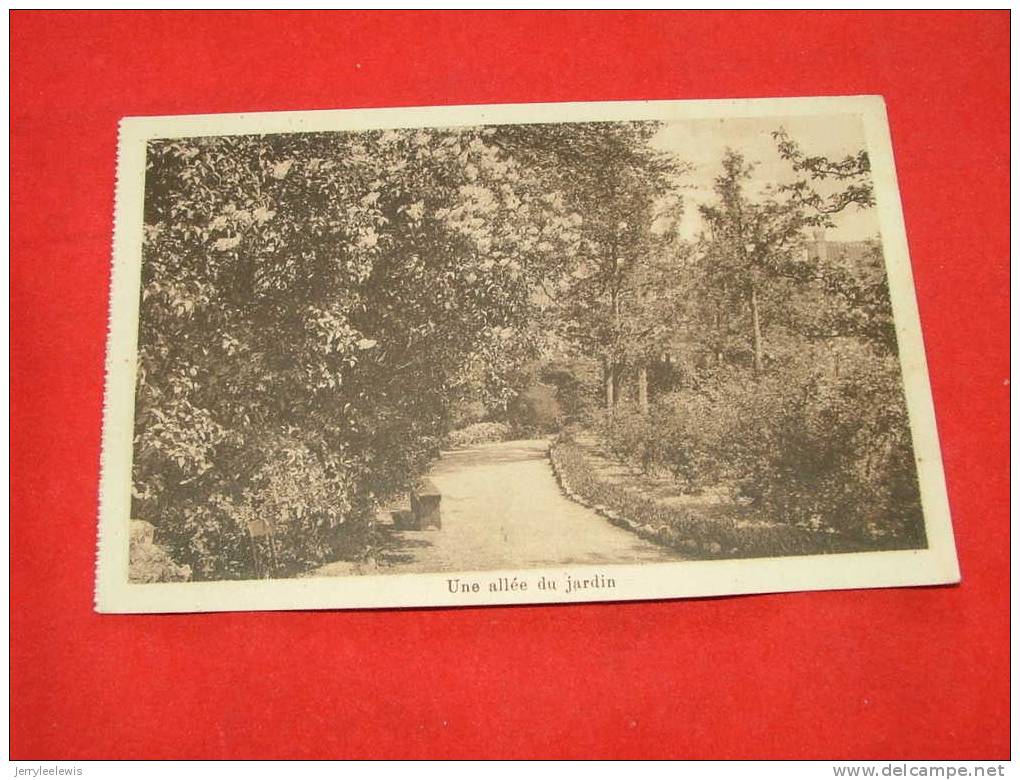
<point x="696" y="535"/>
<point x="478" y="433"/>
<point x="152" y="563"/>
<point x="533" y="397"/>
<point x="535" y="410"/>
<point x="466" y="411"/>
<point x="791" y="397"/>
<point x="853" y="173"/>
<point x="577" y="384"/>
<point x="320" y="311"/>
<point x="622" y="196"/>
<point x="494" y="373"/>
<point x="802" y="446"/>
<point x="149" y="562"/>
<point x="309" y="303"/>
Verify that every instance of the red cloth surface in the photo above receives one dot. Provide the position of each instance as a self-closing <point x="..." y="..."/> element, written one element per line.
<point x="919" y="672"/>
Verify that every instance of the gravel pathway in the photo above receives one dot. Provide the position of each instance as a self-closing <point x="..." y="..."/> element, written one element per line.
<point x="502" y="509"/>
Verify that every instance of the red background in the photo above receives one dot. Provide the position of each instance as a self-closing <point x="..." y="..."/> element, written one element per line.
<point x="860" y="674"/>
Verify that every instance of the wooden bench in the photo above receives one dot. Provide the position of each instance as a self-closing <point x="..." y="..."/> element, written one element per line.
<point x="425" y="499"/>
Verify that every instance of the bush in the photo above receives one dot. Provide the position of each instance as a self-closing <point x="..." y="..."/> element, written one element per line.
<point x="149" y="562"/>
<point x="840" y="454"/>
<point x="696" y="535"/>
<point x="634" y="438"/>
<point x="578" y="387"/>
<point x="803" y="445"/>
<point x="551" y="394"/>
<point x="308" y="304"/>
<point x="479" y="433"/>
<point x="467" y="412"/>
<point x="535" y="410"/>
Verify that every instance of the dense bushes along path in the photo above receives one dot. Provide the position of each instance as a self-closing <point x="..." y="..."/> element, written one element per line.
<point x="502" y="509"/>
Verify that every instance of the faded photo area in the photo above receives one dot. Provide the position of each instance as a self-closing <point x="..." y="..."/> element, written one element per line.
<point x="514" y="346"/>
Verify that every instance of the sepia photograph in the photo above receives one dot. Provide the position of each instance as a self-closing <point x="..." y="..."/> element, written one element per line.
<point x="522" y="353"/>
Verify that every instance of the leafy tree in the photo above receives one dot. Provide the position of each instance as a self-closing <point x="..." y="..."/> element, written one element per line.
<point x="852" y="174"/>
<point x="613" y="186"/>
<point x="308" y="303"/>
<point x="792" y="400"/>
<point x="751" y="243"/>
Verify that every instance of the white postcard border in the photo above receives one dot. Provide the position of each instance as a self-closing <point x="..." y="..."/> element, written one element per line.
<point x="935" y="565"/>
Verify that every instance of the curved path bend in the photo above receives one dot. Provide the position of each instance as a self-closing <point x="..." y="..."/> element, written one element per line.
<point x="502" y="509"/>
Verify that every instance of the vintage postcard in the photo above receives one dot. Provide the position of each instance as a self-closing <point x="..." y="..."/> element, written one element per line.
<point x="514" y="354"/>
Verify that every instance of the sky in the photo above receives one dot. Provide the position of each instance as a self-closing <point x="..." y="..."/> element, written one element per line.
<point x="702" y="143"/>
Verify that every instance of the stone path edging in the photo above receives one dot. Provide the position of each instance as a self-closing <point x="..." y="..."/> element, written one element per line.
<point x="661" y="534"/>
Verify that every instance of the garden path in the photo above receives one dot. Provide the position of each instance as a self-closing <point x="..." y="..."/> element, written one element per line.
<point x="502" y="509"/>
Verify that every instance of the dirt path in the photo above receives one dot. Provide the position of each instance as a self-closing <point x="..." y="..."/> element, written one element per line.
<point x="502" y="509"/>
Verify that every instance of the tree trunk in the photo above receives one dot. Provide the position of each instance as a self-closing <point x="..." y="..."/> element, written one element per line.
<point x="719" y="326"/>
<point x="642" y="388"/>
<point x="610" y="371"/>
<point x="756" y="331"/>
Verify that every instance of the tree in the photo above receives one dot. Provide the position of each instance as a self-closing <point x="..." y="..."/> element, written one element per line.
<point x="611" y="184"/>
<point x="852" y="174"/>
<point x="751" y="243"/>
<point x="766" y="418"/>
<point x="308" y="302"/>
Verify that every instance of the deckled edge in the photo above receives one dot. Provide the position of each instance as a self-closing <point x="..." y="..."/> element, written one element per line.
<point x="118" y="386"/>
<point x="101" y="535"/>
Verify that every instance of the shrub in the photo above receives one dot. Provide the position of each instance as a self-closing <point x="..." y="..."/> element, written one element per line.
<point x="841" y="454"/>
<point x="695" y="535"/>
<point x="309" y="303"/>
<point x="535" y="410"/>
<point x="149" y="562"/>
<point x="633" y="438"/>
<point x="467" y="412"/>
<point x="479" y="433"/>
<point x="578" y="387"/>
<point x="805" y="445"/>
